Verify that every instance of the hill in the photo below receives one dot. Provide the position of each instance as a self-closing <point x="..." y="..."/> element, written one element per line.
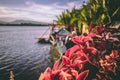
<point x="26" y="21"/>
<point x="23" y="23"/>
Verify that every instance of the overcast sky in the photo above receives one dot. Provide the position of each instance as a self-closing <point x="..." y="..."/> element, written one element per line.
<point x="37" y="10"/>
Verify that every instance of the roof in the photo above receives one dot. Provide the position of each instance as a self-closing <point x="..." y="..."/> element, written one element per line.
<point x="63" y="32"/>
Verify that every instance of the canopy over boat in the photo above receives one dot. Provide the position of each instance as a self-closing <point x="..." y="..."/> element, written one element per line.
<point x="63" y="32"/>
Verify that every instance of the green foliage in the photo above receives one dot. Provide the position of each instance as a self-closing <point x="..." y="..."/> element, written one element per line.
<point x="95" y="11"/>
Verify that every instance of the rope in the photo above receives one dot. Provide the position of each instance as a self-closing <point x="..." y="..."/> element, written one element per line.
<point x="44" y="33"/>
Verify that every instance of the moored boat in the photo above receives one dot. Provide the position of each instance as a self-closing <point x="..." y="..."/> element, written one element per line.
<point x="43" y="39"/>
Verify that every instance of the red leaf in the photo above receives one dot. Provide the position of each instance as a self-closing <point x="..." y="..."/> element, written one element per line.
<point x="55" y="74"/>
<point x="91" y="34"/>
<point x="82" y="56"/>
<point x="64" y="69"/>
<point x="83" y="75"/>
<point x="48" y="70"/>
<point x="74" y="73"/>
<point x="74" y="48"/>
<point x="81" y="62"/>
<point x="46" y="75"/>
<point x="92" y="50"/>
<point x="67" y="53"/>
<point x="78" y="39"/>
<point x="80" y="53"/>
<point x="56" y="64"/>
<point x="78" y="62"/>
<point x="65" y="60"/>
<point x="42" y="77"/>
<point x="86" y="39"/>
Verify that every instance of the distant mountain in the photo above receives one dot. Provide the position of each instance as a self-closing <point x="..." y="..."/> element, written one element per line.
<point x="22" y="21"/>
<point x="3" y="22"/>
<point x="26" y="21"/>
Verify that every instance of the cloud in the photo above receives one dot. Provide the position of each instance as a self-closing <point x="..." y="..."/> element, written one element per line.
<point x="76" y="4"/>
<point x="12" y="13"/>
<point x="36" y="12"/>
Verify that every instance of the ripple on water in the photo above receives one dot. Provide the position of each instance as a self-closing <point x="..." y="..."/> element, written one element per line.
<point x="20" y="52"/>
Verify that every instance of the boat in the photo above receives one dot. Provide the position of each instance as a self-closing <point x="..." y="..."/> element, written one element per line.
<point x="43" y="39"/>
<point x="57" y="39"/>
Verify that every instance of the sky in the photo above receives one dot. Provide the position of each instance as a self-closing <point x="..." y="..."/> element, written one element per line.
<point x="36" y="10"/>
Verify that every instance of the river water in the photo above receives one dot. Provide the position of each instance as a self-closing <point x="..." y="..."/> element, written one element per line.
<point x="20" y="52"/>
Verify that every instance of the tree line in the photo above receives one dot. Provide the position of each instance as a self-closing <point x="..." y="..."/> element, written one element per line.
<point x="23" y="24"/>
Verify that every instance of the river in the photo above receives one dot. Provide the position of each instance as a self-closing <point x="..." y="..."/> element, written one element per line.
<point x="20" y="52"/>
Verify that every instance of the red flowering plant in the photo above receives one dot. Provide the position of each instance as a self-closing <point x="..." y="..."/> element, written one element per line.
<point x="92" y="58"/>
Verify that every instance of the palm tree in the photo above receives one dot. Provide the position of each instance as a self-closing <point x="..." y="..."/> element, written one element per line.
<point x="95" y="11"/>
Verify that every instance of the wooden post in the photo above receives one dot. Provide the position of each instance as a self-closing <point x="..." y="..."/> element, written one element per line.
<point x="11" y="75"/>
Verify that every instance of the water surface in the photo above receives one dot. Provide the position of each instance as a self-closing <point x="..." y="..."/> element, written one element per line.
<point x="20" y="52"/>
